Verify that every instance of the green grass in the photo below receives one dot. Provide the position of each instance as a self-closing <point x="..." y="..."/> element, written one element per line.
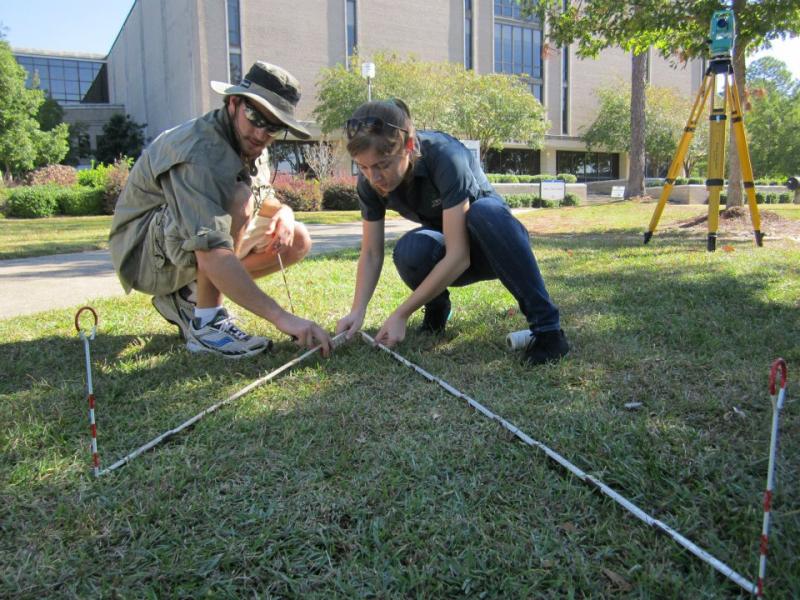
<point x="22" y="238"/>
<point x="354" y="477"/>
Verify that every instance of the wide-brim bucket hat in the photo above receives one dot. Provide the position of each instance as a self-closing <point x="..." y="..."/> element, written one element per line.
<point x="271" y="87"/>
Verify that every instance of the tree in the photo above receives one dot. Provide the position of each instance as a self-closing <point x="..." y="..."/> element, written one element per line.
<point x="50" y="115"/>
<point x="773" y="122"/>
<point x="666" y="115"/>
<point x="492" y="109"/>
<point x="122" y="136"/>
<point x="23" y="144"/>
<point x="678" y="30"/>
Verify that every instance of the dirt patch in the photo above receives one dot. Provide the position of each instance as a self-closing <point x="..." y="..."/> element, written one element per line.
<point x="736" y="220"/>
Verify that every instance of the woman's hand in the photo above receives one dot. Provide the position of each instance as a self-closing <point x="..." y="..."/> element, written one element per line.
<point x="306" y="334"/>
<point x="393" y="331"/>
<point x="350" y="323"/>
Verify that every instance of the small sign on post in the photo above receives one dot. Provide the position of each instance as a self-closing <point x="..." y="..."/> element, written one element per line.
<point x="618" y="191"/>
<point x="554" y="189"/>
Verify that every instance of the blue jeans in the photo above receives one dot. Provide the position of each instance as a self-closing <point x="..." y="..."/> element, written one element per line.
<point x="499" y="249"/>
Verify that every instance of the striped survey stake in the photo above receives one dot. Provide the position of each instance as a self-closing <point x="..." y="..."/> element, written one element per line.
<point x="89" y="388"/>
<point x="777" y="396"/>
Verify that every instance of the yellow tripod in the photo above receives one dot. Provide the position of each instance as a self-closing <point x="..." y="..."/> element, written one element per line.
<point x="718" y="79"/>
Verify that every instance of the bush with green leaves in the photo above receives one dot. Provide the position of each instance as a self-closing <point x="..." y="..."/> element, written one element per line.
<point x="784" y="198"/>
<point x="681" y="180"/>
<point x="339" y="196"/>
<point x="542" y="203"/>
<point x="696" y="181"/>
<point x="571" y="199"/>
<point x="519" y="200"/>
<point x="33" y="202"/>
<point x="97" y="176"/>
<point x="80" y="200"/>
<point x="567" y="177"/>
<point x="760" y="197"/>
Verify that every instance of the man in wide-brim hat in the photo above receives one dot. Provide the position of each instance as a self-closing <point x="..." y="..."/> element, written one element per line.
<point x="198" y="219"/>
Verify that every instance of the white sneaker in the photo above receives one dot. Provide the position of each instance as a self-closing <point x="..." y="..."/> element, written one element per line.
<point x="176" y="310"/>
<point x="221" y="336"/>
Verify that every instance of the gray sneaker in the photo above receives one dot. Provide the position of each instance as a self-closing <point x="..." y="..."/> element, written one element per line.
<point x="222" y="337"/>
<point x="176" y="310"/>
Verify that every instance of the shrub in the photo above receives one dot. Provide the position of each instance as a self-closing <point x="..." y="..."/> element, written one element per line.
<point x="33" y="202"/>
<point x="80" y="200"/>
<point x="723" y="198"/>
<point x="571" y="200"/>
<point x="760" y="197"/>
<point x="94" y="177"/>
<point x="339" y="196"/>
<point x="52" y="174"/>
<point x="519" y="200"/>
<point x="299" y="194"/>
<point x="567" y="178"/>
<point x="115" y="180"/>
<point x="653" y="182"/>
<point x="785" y="198"/>
<point x="771" y="198"/>
<point x="681" y="181"/>
<point x="696" y="180"/>
<point x="542" y="203"/>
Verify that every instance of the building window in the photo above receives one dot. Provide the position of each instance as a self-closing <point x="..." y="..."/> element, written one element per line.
<point x="234" y="42"/>
<point x="518" y="45"/>
<point x="67" y="81"/>
<point x="467" y="34"/>
<point x="565" y="90"/>
<point x="517" y="161"/>
<point x="352" y="30"/>
<point x="588" y="166"/>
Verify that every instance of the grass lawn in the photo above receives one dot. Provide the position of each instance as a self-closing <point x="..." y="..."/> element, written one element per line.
<point x="21" y="238"/>
<point x="354" y="477"/>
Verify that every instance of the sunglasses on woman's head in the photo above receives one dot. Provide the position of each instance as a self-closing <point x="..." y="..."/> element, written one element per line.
<point x="259" y="121"/>
<point x="370" y="124"/>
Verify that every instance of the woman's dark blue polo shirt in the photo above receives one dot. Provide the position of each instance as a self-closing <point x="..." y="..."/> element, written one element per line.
<point x="441" y="178"/>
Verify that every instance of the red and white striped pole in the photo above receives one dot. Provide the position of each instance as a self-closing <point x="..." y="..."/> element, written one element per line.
<point x="89" y="388"/>
<point x="777" y="397"/>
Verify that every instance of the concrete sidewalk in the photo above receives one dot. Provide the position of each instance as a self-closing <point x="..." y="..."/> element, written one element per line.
<point x="31" y="285"/>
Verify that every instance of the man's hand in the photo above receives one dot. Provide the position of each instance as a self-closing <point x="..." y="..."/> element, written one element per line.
<point x="306" y="333"/>
<point x="393" y="331"/>
<point x="350" y="323"/>
<point x="280" y="231"/>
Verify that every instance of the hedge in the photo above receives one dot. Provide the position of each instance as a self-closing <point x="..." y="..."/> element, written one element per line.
<point x="32" y="202"/>
<point x="340" y="196"/>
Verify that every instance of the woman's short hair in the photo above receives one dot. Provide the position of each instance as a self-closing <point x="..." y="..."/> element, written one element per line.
<point x="381" y="125"/>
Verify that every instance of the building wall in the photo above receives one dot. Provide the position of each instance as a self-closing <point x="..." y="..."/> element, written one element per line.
<point x="169" y="50"/>
<point x="162" y="61"/>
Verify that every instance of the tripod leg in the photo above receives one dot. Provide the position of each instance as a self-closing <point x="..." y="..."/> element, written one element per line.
<point x="744" y="160"/>
<point x="680" y="154"/>
<point x="716" y="162"/>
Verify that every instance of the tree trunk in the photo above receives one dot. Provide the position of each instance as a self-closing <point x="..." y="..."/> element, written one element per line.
<point x="635" y="186"/>
<point x="735" y="196"/>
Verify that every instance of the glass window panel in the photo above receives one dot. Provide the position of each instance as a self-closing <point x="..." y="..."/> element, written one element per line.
<point x="507" y="51"/>
<point x="236" y="66"/>
<point x="537" y="53"/>
<point x="517" y="56"/>
<point x="234" y="37"/>
<point x="86" y="73"/>
<point x="527" y="49"/>
<point x="498" y="48"/>
<point x="72" y="87"/>
<point x="71" y="73"/>
<point x="84" y="87"/>
<point x="56" y="71"/>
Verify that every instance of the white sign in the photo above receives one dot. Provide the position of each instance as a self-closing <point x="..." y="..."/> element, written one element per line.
<point x="473" y="146"/>
<point x="552" y="190"/>
<point x="618" y="191"/>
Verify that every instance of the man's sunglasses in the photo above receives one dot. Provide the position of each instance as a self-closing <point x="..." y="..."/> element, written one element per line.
<point x="370" y="124"/>
<point x="259" y="121"/>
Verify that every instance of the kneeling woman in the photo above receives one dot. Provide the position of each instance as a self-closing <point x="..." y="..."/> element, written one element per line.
<point x="467" y="231"/>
